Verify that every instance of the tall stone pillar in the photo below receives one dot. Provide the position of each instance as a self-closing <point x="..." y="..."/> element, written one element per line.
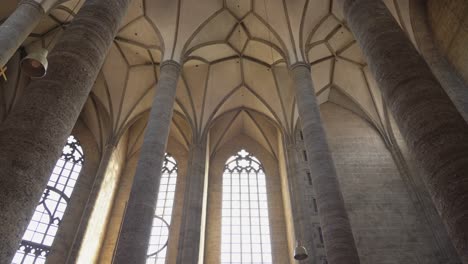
<point x="18" y="26"/>
<point x="134" y="237"/>
<point x="435" y="132"/>
<point x="302" y="227"/>
<point x="337" y="234"/>
<point x="33" y="135"/>
<point x="191" y="227"/>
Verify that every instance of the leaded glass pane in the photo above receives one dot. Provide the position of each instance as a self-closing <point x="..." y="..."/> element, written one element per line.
<point x="41" y="231"/>
<point x="245" y="231"/>
<point x="157" y="248"/>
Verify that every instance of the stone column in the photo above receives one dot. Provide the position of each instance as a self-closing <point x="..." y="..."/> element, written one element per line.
<point x="18" y="26"/>
<point x="435" y="132"/>
<point x="191" y="226"/>
<point x="134" y="237"/>
<point x="33" y="135"/>
<point x="337" y="234"/>
<point x="298" y="206"/>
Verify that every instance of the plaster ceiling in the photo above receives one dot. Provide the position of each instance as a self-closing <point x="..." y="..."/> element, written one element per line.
<point x="235" y="56"/>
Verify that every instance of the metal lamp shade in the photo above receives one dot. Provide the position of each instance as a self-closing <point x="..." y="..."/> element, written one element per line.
<point x="35" y="64"/>
<point x="300" y="253"/>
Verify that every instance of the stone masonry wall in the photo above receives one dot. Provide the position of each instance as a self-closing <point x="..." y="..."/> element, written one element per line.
<point x="386" y="226"/>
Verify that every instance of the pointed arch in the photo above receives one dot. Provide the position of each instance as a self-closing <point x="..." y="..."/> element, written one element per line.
<point x="245" y="221"/>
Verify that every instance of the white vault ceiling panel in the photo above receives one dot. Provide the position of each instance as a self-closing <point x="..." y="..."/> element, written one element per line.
<point x="235" y="55"/>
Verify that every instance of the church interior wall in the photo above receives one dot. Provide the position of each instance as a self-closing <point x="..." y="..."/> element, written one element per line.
<point x="391" y="213"/>
<point x="95" y="230"/>
<point x="287" y="199"/>
<point x="386" y="226"/>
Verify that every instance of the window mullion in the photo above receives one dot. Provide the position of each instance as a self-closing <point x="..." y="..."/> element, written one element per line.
<point x="244" y="184"/>
<point x="37" y="232"/>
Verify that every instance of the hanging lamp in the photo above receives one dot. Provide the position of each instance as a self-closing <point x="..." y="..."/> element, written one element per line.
<point x="300" y="252"/>
<point x="35" y="63"/>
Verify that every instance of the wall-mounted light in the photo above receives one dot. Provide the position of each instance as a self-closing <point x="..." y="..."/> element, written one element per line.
<point x="35" y="63"/>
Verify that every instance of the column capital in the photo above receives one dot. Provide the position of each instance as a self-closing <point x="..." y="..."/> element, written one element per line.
<point x="299" y="64"/>
<point x="172" y="63"/>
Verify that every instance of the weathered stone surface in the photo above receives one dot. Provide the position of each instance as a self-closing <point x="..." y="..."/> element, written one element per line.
<point x="191" y="226"/>
<point x="303" y="224"/>
<point x="435" y="132"/>
<point x="33" y="135"/>
<point x="387" y="225"/>
<point x="136" y="228"/>
<point x="337" y="234"/>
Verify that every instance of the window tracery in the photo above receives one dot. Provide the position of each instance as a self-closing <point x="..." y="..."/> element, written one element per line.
<point x="157" y="248"/>
<point x="245" y="223"/>
<point x="41" y="230"/>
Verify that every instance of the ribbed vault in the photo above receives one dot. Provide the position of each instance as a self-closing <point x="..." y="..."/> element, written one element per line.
<point x="247" y="122"/>
<point x="235" y="56"/>
<point x="179" y="129"/>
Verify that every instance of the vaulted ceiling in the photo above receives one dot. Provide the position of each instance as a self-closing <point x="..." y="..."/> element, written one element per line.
<point x="235" y="56"/>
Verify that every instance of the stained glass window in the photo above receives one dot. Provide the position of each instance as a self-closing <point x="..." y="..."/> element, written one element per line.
<point x="41" y="231"/>
<point x="160" y="231"/>
<point x="245" y="227"/>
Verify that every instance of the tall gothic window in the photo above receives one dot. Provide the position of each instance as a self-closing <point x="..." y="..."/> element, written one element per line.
<point x="160" y="232"/>
<point x="40" y="233"/>
<point x="245" y="224"/>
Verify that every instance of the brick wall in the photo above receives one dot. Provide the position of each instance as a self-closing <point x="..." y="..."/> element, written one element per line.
<point x="386" y="226"/>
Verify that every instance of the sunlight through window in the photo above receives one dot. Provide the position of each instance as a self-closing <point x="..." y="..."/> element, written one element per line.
<point x="245" y="223"/>
<point x="41" y="231"/>
<point x="160" y="231"/>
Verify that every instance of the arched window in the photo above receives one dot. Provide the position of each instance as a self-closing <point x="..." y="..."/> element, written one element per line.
<point x="157" y="248"/>
<point x="245" y="224"/>
<point x="40" y="233"/>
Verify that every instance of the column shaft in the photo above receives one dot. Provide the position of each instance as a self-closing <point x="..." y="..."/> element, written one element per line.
<point x="34" y="133"/>
<point x="136" y="228"/>
<point x="190" y="230"/>
<point x="17" y="27"/>
<point x="434" y="130"/>
<point x="298" y="208"/>
<point x="337" y="234"/>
